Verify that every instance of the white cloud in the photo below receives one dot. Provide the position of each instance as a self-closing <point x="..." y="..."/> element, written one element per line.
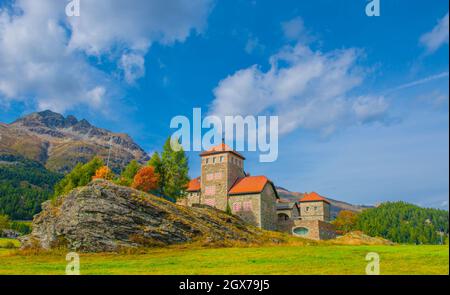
<point x="437" y="37"/>
<point x="304" y="88"/>
<point x="44" y="55"/>
<point x="253" y="45"/>
<point x="368" y="108"/>
<point x="133" y="66"/>
<point x="295" y="30"/>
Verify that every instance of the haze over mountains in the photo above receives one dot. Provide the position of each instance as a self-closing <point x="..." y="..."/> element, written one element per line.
<point x="61" y="142"/>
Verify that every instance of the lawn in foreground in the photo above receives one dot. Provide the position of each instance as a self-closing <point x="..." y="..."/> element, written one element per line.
<point x="323" y="259"/>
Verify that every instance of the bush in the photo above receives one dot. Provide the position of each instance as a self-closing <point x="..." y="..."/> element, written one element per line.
<point x="9" y="245"/>
<point x="21" y="227"/>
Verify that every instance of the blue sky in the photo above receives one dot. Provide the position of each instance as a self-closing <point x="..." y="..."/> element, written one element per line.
<point x="369" y="122"/>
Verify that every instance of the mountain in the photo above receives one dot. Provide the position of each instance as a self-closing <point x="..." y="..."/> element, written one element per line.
<point x="24" y="185"/>
<point x="59" y="142"/>
<point x="336" y="206"/>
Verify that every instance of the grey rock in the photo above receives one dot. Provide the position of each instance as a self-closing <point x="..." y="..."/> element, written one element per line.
<point x="9" y="234"/>
<point x="104" y="217"/>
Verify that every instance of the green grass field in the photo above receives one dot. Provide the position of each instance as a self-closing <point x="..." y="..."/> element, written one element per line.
<point x="323" y="259"/>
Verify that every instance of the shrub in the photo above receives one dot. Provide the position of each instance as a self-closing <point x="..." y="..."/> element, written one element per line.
<point x="146" y="179"/>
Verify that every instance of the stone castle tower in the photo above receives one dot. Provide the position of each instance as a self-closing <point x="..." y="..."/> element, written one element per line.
<point x="220" y="168"/>
<point x="315" y="207"/>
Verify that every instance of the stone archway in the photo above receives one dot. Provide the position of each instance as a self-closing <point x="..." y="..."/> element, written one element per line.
<point x="283" y="217"/>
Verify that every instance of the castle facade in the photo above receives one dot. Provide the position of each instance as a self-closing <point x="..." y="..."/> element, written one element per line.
<point x="225" y="185"/>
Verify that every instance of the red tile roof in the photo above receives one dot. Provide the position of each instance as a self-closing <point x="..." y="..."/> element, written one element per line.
<point x="194" y="185"/>
<point x="313" y="197"/>
<point x="249" y="184"/>
<point x="221" y="148"/>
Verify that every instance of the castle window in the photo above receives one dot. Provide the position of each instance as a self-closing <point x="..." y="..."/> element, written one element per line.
<point x="214" y="160"/>
<point x="237" y="207"/>
<point x="221" y="159"/>
<point x="207" y="161"/>
<point x="210" y="190"/>
<point x="218" y="175"/>
<point x="248" y="206"/>
<point x="209" y="176"/>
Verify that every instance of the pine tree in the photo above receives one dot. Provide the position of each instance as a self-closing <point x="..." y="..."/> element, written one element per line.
<point x="173" y="168"/>
<point x="157" y="164"/>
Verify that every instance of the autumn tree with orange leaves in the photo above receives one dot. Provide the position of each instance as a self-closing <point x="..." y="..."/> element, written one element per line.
<point x="103" y="173"/>
<point x="146" y="179"/>
<point x="346" y="221"/>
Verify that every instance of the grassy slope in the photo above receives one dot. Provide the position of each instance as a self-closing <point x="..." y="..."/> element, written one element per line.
<point x="4" y="242"/>
<point x="324" y="259"/>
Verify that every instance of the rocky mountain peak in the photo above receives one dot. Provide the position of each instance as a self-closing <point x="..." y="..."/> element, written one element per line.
<point x="61" y="142"/>
<point x="47" y="119"/>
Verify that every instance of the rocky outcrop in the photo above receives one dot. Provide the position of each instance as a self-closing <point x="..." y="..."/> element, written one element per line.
<point x="61" y="142"/>
<point x="106" y="217"/>
<point x="359" y="238"/>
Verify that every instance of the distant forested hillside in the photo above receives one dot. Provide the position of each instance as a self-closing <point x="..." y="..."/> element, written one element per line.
<point x="404" y="223"/>
<point x="24" y="185"/>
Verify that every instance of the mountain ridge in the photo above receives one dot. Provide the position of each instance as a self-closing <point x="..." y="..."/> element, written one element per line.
<point x="61" y="142"/>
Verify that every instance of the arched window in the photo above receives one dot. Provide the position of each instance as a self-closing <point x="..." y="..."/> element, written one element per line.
<point x="283" y="217"/>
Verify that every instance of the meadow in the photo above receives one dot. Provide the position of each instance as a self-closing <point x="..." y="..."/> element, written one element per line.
<point x="281" y="259"/>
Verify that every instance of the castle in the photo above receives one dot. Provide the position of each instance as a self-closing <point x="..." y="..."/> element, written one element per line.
<point x="225" y="185"/>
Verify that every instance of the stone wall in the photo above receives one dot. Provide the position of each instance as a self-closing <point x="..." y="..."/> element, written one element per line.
<point x="190" y="199"/>
<point x="268" y="208"/>
<point x="247" y="207"/>
<point x="309" y="229"/>
<point x="315" y="211"/>
<point x="256" y="209"/>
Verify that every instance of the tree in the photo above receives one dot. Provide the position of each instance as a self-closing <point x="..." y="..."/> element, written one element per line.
<point x="174" y="168"/>
<point x="103" y="173"/>
<point x="4" y="222"/>
<point x="24" y="185"/>
<point x="157" y="164"/>
<point x="146" y="179"/>
<point x="127" y="176"/>
<point x="346" y="221"/>
<point x="81" y="175"/>
<point x="404" y="223"/>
